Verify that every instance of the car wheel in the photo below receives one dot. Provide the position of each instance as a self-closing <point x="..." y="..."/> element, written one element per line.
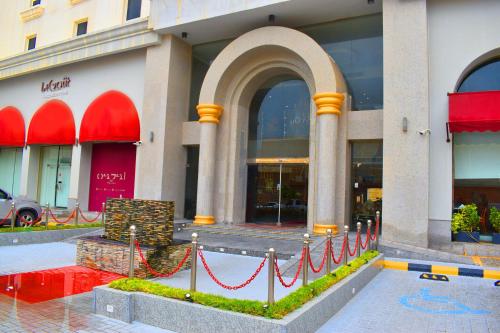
<point x="26" y="218"/>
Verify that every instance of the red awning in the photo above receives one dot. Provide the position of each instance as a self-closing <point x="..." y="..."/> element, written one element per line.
<point x="52" y="124"/>
<point x="474" y="111"/>
<point x="12" y="127"/>
<point x="111" y="117"/>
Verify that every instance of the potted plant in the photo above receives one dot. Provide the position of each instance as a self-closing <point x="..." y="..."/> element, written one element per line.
<point x="465" y="224"/>
<point x="495" y="222"/>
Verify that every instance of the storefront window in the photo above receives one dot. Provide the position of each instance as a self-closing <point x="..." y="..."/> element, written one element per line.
<point x="356" y="46"/>
<point x="477" y="172"/>
<point x="366" y="181"/>
<point x="10" y="169"/>
<point x="203" y="55"/>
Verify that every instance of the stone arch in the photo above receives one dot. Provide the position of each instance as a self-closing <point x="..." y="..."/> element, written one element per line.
<point x="270" y="42"/>
<point x="226" y="92"/>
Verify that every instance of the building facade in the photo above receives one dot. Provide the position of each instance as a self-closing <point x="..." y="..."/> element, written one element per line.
<point x="314" y="113"/>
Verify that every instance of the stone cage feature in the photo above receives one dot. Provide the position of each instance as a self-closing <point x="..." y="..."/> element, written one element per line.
<point x="154" y="222"/>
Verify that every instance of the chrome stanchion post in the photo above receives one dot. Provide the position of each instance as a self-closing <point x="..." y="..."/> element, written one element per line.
<point x="270" y="276"/>
<point x="358" y="247"/>
<point x="103" y="211"/>
<point x="132" y="252"/>
<point x="378" y="231"/>
<point x="329" y="251"/>
<point x="47" y="209"/>
<point x="346" y="240"/>
<point x="77" y="210"/>
<point x="369" y="247"/>
<point x="13" y="217"/>
<point x="305" y="263"/>
<point x="194" y="260"/>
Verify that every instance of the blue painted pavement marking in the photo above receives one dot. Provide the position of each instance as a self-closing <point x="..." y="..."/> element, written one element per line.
<point x="426" y="297"/>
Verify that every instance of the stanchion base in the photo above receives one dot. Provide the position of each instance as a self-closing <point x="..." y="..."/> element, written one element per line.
<point x="320" y="229"/>
<point x="203" y="220"/>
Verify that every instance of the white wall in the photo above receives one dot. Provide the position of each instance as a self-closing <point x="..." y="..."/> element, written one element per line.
<point x="124" y="72"/>
<point x="459" y="32"/>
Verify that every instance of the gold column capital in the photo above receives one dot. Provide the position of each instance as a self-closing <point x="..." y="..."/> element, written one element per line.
<point x="328" y="103"/>
<point x="209" y="113"/>
<point x="203" y="220"/>
<point x="321" y="229"/>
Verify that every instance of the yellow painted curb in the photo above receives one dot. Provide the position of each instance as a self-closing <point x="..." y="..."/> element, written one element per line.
<point x="489" y="274"/>
<point x="403" y="266"/>
<point x="446" y="270"/>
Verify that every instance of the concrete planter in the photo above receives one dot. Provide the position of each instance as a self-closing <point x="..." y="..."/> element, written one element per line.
<point x="468" y="237"/>
<point x="184" y="317"/>
<point x="496" y="238"/>
<point x="37" y="237"/>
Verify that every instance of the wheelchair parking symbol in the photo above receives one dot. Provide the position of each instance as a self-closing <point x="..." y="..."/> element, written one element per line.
<point x="425" y="302"/>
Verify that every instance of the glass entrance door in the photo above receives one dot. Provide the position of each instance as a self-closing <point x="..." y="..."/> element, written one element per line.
<point x="277" y="193"/>
<point x="55" y="169"/>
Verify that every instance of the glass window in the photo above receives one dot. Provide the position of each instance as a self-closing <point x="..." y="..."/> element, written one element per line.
<point x="81" y="28"/>
<point x="279" y="119"/>
<point x="486" y="77"/>
<point x="366" y="183"/>
<point x="10" y="169"/>
<point x="133" y="9"/>
<point x="356" y="46"/>
<point x="3" y="195"/>
<point x="191" y="187"/>
<point x="35" y="2"/>
<point x="31" y="43"/>
<point x="203" y="55"/>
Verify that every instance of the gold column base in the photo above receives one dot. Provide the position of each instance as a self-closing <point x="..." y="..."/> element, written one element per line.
<point x="320" y="229"/>
<point x="203" y="220"/>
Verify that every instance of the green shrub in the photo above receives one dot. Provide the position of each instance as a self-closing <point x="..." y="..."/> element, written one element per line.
<point x="495" y="218"/>
<point x="467" y="219"/>
<point x="51" y="227"/>
<point x="277" y="310"/>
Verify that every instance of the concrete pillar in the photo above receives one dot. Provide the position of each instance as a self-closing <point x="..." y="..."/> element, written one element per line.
<point x="406" y="94"/>
<point x="329" y="106"/>
<point x="80" y="176"/>
<point x="29" y="172"/>
<point x="209" y="120"/>
<point x="161" y="159"/>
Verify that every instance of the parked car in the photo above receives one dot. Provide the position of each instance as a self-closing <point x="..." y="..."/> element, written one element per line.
<point x="27" y="210"/>
<point x="296" y="204"/>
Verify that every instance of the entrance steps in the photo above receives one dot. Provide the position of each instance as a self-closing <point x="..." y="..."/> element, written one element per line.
<point x="265" y="232"/>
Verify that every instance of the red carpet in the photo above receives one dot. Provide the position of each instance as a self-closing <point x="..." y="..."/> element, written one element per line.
<point x="41" y="286"/>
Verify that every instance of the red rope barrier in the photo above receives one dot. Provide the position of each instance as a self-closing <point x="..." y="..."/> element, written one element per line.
<point x="337" y="261"/>
<point x="375" y="235"/>
<point x="8" y="215"/>
<point x="89" y="220"/>
<point x="64" y="221"/>
<point x="296" y="276"/>
<point x="21" y="219"/>
<point x="225" y="286"/>
<point x="368" y="237"/>
<point x="323" y="261"/>
<point x="158" y="274"/>
<point x="352" y="254"/>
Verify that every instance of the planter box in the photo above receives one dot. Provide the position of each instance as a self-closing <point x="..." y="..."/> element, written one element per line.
<point x="469" y="237"/>
<point x="496" y="238"/>
<point x="184" y="317"/>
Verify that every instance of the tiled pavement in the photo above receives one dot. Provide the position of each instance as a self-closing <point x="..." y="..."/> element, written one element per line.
<point x="398" y="301"/>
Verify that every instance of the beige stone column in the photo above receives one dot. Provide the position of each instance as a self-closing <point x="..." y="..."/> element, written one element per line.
<point x="209" y="120"/>
<point x="329" y="106"/>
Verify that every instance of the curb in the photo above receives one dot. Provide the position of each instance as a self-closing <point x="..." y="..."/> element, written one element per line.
<point x="446" y="270"/>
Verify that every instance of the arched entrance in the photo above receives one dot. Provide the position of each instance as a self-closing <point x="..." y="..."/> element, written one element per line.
<point x="230" y="85"/>
<point x="278" y="152"/>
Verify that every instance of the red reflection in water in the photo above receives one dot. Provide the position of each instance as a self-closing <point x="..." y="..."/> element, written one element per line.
<point x="41" y="286"/>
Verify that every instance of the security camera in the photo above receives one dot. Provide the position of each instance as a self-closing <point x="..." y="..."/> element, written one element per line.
<point x="138" y="143"/>
<point x="424" y="132"/>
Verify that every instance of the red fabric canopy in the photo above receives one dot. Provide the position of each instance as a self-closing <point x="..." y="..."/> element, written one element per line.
<point x="111" y="117"/>
<point x="12" y="127"/>
<point x="52" y="124"/>
<point x="474" y="111"/>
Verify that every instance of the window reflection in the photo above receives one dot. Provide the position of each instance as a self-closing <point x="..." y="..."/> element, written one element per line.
<point x="279" y="119"/>
<point x="486" y="77"/>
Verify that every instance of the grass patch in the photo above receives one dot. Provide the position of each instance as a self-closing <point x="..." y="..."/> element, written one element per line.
<point x="51" y="227"/>
<point x="277" y="310"/>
